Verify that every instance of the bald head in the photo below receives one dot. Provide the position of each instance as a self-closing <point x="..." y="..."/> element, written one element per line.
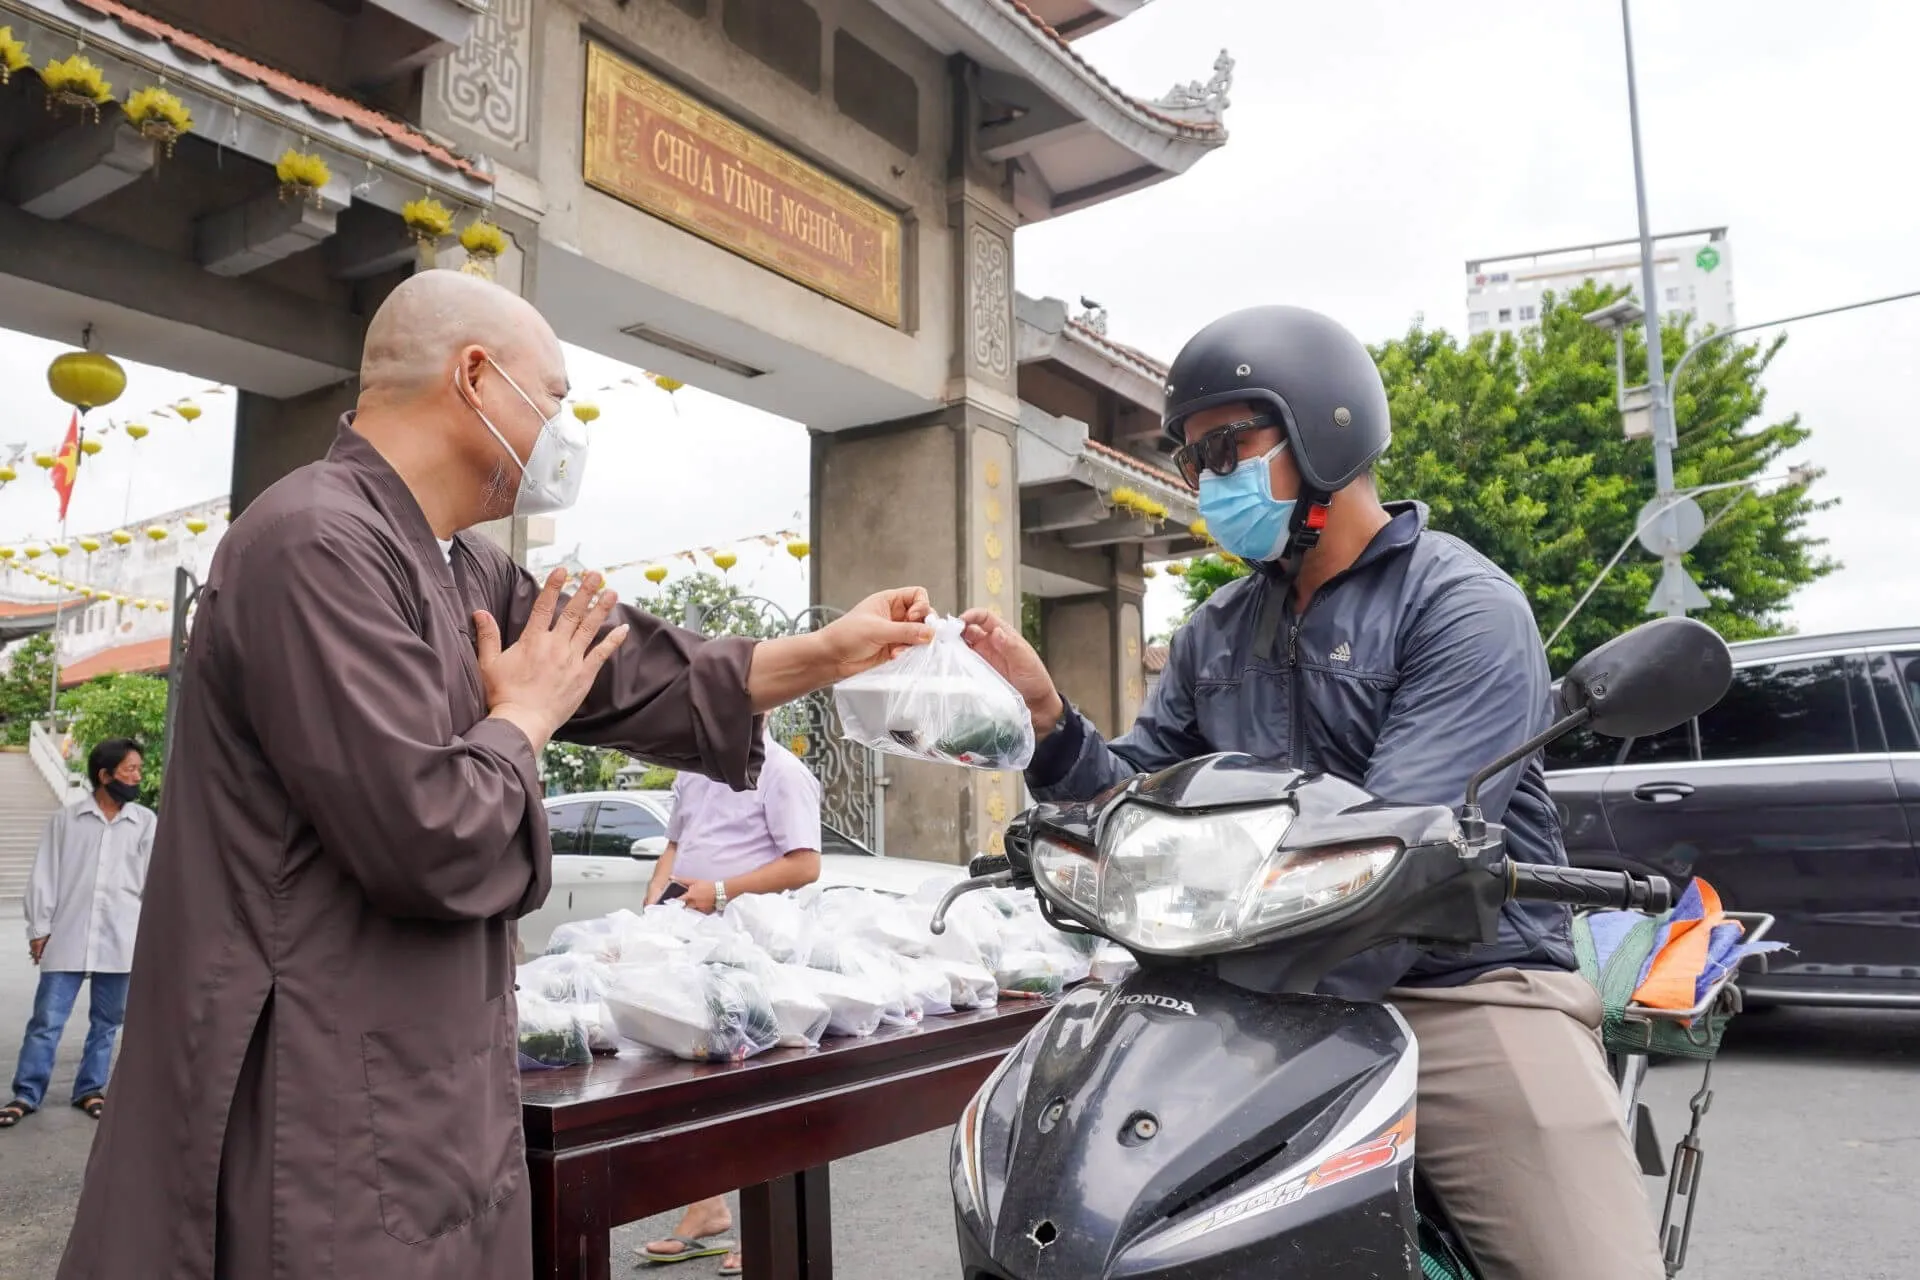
<point x="419" y="332"/>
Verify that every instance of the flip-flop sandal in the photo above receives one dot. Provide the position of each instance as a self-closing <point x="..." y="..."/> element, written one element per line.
<point x="691" y="1248"/>
<point x="726" y="1270"/>
<point x="13" y="1113"/>
<point x="93" y="1104"/>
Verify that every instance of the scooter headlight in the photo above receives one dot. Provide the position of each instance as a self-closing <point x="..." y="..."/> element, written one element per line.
<point x="1171" y="883"/>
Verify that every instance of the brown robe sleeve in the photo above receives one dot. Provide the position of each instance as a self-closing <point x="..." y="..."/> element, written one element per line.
<point x="350" y="704"/>
<point x="668" y="696"/>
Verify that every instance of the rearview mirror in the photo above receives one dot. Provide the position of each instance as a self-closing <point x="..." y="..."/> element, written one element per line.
<point x="1658" y="675"/>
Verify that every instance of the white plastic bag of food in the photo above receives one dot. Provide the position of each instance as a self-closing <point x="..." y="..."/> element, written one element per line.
<point x="774" y="920"/>
<point x="798" y="1008"/>
<point x="854" y="1005"/>
<point x="551" y="1034"/>
<point x="1034" y="973"/>
<point x="969" y="986"/>
<point x="872" y="968"/>
<point x="1111" y="963"/>
<point x="927" y="986"/>
<point x="972" y="933"/>
<point x="879" y="920"/>
<point x="698" y="1013"/>
<point x="588" y="937"/>
<point x="578" y="981"/>
<point x="939" y="701"/>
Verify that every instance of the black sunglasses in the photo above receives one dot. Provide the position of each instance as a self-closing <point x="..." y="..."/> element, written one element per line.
<point x="1218" y="451"/>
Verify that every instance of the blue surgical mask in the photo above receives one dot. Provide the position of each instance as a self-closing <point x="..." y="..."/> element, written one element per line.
<point x="1241" y="512"/>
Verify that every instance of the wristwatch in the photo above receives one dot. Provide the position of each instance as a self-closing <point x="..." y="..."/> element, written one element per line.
<point x="719" y="896"/>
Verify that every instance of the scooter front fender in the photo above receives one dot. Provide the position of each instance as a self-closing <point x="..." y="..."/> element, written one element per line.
<point x="1175" y="1125"/>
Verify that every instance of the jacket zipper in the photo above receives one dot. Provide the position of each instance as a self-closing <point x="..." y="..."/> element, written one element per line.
<point x="1295" y="740"/>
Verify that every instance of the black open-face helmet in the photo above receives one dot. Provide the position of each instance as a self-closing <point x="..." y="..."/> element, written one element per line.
<point x="1309" y="372"/>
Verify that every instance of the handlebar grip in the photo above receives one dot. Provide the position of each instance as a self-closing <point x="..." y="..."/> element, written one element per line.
<point x="988" y="864"/>
<point x="1581" y="887"/>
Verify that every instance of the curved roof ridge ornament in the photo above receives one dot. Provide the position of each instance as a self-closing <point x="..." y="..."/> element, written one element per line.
<point x="1196" y="101"/>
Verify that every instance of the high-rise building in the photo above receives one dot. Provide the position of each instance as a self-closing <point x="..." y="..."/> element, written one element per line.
<point x="1692" y="269"/>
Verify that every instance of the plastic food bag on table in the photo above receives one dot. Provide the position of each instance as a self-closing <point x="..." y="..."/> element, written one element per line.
<point x="969" y="986"/>
<point x="941" y="702"/>
<point x="1033" y="973"/>
<point x="580" y="982"/>
<point x="742" y="952"/>
<point x="874" y="970"/>
<point x="775" y="921"/>
<point x="798" y="1007"/>
<point x="854" y="1005"/>
<point x="1112" y="962"/>
<point x="972" y="934"/>
<point x="927" y="986"/>
<point x="879" y="920"/>
<point x="698" y="1013"/>
<point x="551" y="1034"/>
<point x="589" y="937"/>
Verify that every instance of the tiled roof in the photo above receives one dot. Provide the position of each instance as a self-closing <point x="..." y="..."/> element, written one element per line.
<point x="1196" y="128"/>
<point x="142" y="657"/>
<point x="1154" y="657"/>
<point x="10" y="609"/>
<point x="1111" y="454"/>
<point x="312" y="96"/>
<point x="1146" y="362"/>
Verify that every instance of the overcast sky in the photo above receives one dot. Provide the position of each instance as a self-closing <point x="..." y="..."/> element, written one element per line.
<point x="1376" y="145"/>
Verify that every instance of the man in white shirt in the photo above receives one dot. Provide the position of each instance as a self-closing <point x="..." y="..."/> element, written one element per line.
<point x="83" y="909"/>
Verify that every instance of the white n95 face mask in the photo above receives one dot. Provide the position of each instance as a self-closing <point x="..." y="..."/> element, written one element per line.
<point x="550" y="475"/>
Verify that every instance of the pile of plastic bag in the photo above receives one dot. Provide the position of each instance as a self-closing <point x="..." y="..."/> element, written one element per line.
<point x="939" y="701"/>
<point x="784" y="970"/>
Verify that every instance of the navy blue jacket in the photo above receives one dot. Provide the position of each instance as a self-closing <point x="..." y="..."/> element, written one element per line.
<point x="1403" y="675"/>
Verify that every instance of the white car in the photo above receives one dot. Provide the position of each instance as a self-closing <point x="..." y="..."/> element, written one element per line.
<point x="606" y="843"/>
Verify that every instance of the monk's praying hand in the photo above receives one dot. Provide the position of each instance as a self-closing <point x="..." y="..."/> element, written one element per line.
<point x="538" y="683"/>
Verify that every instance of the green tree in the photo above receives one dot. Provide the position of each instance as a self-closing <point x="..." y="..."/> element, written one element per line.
<point x="122" y="706"/>
<point x="26" y="687"/>
<point x="1516" y="446"/>
<point x="566" y="768"/>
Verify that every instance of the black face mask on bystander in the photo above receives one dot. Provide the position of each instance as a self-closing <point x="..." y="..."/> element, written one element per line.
<point x="123" y="792"/>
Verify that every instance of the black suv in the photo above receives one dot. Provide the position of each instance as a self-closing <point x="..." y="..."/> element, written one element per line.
<point x="1798" y="794"/>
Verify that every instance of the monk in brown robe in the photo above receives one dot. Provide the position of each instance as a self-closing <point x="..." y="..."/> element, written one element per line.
<point x="319" y="1074"/>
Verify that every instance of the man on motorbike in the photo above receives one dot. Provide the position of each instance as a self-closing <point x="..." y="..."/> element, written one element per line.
<point x="1368" y="646"/>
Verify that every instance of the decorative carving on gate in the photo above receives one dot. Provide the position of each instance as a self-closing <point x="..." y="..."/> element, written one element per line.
<point x="990" y="291"/>
<point x="485" y="85"/>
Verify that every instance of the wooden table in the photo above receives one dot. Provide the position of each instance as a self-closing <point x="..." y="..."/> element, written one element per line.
<point x="626" y="1138"/>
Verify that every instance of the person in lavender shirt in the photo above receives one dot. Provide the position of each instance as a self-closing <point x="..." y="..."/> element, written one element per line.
<point x="721" y="844"/>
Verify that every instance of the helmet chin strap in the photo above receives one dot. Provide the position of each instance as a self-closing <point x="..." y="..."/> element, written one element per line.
<point x="1304" y="528"/>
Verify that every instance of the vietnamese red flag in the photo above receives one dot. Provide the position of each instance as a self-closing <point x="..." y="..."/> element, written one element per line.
<point x="66" y="465"/>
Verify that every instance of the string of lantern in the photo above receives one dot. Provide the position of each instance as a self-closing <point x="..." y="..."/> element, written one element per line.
<point x="655" y="568"/>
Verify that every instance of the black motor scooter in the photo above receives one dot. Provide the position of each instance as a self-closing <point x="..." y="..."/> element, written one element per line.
<point x="1208" y="1118"/>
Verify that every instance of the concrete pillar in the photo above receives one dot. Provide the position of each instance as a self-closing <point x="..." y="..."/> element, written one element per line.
<point x="1094" y="651"/>
<point x="935" y="502"/>
<point x="272" y="437"/>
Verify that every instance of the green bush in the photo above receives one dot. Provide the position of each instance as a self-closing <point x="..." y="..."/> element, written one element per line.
<point x="122" y="706"/>
<point x="566" y="768"/>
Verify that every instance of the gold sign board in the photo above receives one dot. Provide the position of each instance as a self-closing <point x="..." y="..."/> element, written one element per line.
<point x="657" y="149"/>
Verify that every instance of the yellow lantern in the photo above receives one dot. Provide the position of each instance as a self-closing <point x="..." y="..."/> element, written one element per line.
<point x="60" y="550"/>
<point x="86" y="379"/>
<point x="33" y="552"/>
<point x="137" y="430"/>
<point x="119" y="599"/>
<point x="44" y="461"/>
<point x="586" y="410"/>
<point x="1199" y="530"/>
<point x="120" y="537"/>
<point x="1178" y="568"/>
<point x="187" y="410"/>
<point x="666" y="384"/>
<point x="725" y="560"/>
<point x="6" y="553"/>
<point x="226" y="514"/>
<point x="196" y="525"/>
<point x="7" y="474"/>
<point x="798" y="548"/>
<point x="140" y="604"/>
<point x="1148" y="571"/>
<point x="89" y="544"/>
<point x="157" y="533"/>
<point x="656" y="574"/>
<point x="89" y="446"/>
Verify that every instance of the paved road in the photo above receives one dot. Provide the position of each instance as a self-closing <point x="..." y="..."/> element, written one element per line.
<point x="1813" y="1154"/>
